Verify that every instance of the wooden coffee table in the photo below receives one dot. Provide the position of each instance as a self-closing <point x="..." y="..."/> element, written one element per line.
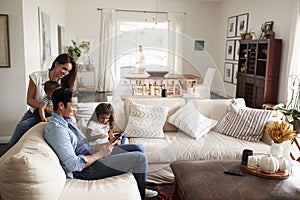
<point x="206" y="180"/>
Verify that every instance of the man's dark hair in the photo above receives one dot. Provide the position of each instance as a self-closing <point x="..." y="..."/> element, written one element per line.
<point x="63" y="95"/>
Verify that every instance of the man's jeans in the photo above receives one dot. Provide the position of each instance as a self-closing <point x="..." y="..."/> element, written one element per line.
<point x="124" y="158"/>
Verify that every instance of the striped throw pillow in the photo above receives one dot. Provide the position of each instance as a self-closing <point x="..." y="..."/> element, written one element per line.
<point x="244" y="123"/>
<point x="146" y="121"/>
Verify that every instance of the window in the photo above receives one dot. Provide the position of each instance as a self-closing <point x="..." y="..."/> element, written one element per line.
<point x="153" y="38"/>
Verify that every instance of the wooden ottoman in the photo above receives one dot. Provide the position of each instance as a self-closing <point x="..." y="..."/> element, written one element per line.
<point x="206" y="180"/>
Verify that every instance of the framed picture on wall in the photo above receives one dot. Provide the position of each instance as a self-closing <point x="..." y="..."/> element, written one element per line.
<point x="45" y="39"/>
<point x="242" y="24"/>
<point x="234" y="73"/>
<point x="228" y="67"/>
<point x="236" y="50"/>
<point x="4" y="41"/>
<point x="231" y="26"/>
<point x="230" y="50"/>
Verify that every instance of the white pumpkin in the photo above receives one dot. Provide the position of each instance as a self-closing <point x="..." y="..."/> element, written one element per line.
<point x="269" y="164"/>
<point x="283" y="164"/>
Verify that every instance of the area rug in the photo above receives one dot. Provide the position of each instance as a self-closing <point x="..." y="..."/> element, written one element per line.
<point x="165" y="191"/>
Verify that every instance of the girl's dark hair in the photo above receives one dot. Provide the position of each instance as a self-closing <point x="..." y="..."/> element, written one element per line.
<point x="63" y="95"/>
<point x="106" y="108"/>
<point x="68" y="80"/>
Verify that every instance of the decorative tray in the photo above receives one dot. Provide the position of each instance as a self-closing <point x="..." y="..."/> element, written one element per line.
<point x="258" y="172"/>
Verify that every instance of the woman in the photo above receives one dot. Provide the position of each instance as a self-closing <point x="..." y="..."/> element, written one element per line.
<point x="64" y="71"/>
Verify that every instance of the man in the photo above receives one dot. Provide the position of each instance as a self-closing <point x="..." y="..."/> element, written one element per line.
<point x="81" y="160"/>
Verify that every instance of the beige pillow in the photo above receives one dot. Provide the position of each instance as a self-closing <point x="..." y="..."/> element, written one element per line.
<point x="30" y="169"/>
<point x="172" y="103"/>
<point x="191" y="121"/>
<point x="146" y="121"/>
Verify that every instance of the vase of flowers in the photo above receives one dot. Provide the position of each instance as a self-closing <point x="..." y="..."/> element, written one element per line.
<point x="280" y="132"/>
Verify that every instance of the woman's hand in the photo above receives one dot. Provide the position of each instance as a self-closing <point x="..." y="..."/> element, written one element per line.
<point x="49" y="109"/>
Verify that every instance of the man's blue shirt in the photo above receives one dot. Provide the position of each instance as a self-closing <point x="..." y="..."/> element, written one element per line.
<point x="64" y="142"/>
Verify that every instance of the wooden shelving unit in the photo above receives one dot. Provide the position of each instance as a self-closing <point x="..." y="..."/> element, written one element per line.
<point x="258" y="71"/>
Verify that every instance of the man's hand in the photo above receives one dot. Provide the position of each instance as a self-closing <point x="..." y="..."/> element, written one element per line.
<point x="100" y="151"/>
<point x="103" y="150"/>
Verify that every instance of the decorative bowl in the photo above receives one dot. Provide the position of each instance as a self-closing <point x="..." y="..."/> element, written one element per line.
<point x="157" y="73"/>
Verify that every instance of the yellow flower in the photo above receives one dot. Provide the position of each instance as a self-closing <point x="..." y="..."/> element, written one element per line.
<point x="280" y="131"/>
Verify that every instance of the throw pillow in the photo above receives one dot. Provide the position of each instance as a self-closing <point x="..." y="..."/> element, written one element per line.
<point x="146" y="121"/>
<point x="189" y="120"/>
<point x="244" y="123"/>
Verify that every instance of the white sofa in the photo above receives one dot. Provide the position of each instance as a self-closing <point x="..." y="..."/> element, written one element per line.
<point x="177" y="145"/>
<point x="30" y="170"/>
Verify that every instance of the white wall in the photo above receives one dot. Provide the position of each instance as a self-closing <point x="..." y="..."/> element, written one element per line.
<point x="24" y="55"/>
<point x="12" y="100"/>
<point x="202" y="21"/>
<point x="279" y="11"/>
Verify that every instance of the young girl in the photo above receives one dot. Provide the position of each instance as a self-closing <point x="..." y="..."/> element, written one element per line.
<point x="101" y="124"/>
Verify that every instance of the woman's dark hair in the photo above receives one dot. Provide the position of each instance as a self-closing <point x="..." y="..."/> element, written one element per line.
<point x="63" y="95"/>
<point x="68" y="80"/>
<point x="106" y="108"/>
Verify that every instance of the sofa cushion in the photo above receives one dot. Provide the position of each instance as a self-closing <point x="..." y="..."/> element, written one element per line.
<point x="190" y="121"/>
<point x="215" y="108"/>
<point x="244" y="123"/>
<point x="172" y="103"/>
<point x="30" y="169"/>
<point x="121" y="187"/>
<point x="146" y="120"/>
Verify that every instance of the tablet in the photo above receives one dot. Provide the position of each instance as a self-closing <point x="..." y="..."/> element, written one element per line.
<point x="118" y="137"/>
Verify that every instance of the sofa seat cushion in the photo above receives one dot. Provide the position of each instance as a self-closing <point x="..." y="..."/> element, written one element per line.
<point x="122" y="187"/>
<point x="211" y="146"/>
<point x="30" y="169"/>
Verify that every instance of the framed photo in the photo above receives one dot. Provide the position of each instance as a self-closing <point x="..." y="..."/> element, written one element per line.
<point x="199" y="45"/>
<point x="242" y="24"/>
<point x="236" y="50"/>
<point x="45" y="39"/>
<point x="61" y="39"/>
<point x="4" y="42"/>
<point x="234" y="73"/>
<point x="230" y="50"/>
<point x="267" y="26"/>
<point x="228" y="67"/>
<point x="231" y="27"/>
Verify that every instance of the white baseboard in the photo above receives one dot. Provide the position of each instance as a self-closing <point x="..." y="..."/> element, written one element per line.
<point x="4" y="139"/>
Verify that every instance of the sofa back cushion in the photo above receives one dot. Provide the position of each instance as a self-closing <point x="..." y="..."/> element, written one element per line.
<point x="30" y="169"/>
<point x="172" y="103"/>
<point x="215" y="108"/>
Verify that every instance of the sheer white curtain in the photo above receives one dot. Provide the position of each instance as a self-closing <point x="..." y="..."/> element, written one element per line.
<point x="175" y="41"/>
<point x="294" y="73"/>
<point x="107" y="68"/>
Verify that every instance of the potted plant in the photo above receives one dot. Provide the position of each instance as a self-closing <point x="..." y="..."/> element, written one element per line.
<point x="75" y="51"/>
<point x="280" y="133"/>
<point x="247" y="35"/>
